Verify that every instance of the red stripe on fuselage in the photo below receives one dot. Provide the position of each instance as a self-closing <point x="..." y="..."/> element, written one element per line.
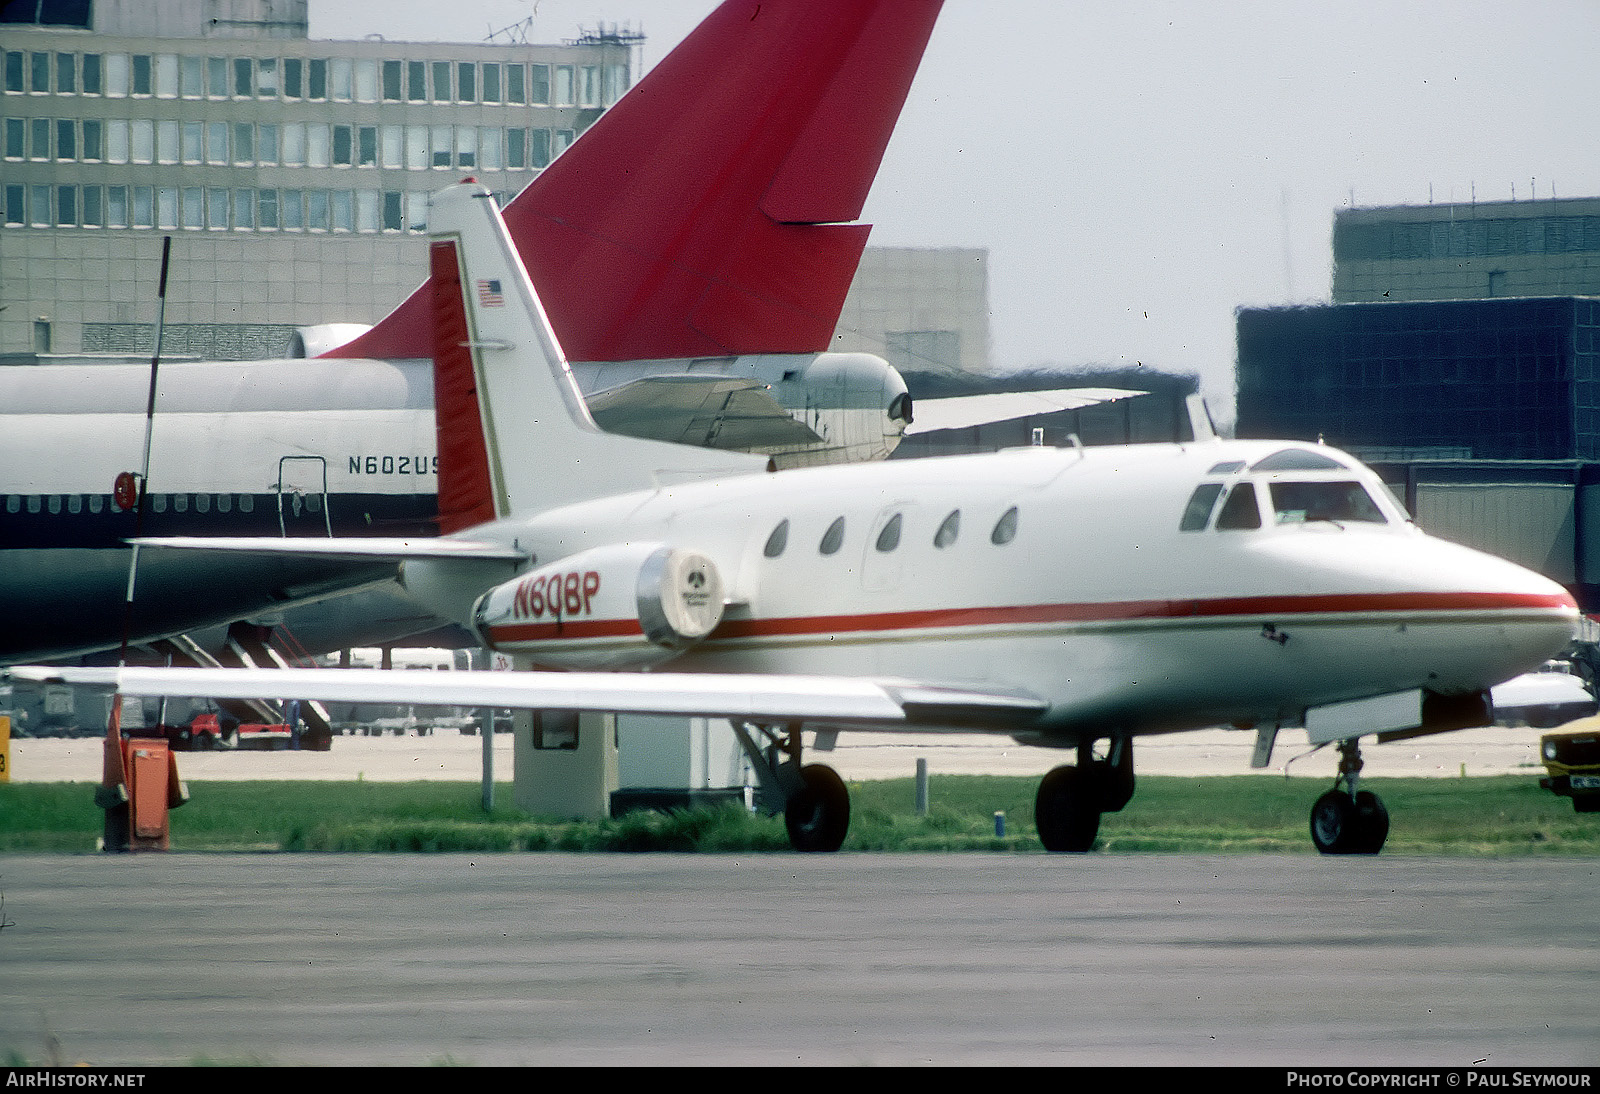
<point x="1112" y="612"/>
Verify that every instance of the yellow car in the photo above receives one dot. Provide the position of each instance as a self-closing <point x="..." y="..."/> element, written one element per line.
<point x="1572" y="758"/>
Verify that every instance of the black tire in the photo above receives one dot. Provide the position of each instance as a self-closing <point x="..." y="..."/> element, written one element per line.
<point x="1065" y="811"/>
<point x="818" y="817"/>
<point x="1372" y="823"/>
<point x="1333" y="823"/>
<point x="1586" y="803"/>
<point x="1342" y="825"/>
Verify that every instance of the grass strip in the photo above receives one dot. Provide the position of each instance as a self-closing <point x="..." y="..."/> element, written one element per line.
<point x="1505" y="815"/>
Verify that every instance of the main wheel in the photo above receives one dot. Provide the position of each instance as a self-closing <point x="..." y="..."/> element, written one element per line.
<point x="1342" y="825"/>
<point x="1066" y="811"/>
<point x="818" y="817"/>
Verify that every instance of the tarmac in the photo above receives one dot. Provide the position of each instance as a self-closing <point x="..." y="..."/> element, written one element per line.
<point x="449" y="756"/>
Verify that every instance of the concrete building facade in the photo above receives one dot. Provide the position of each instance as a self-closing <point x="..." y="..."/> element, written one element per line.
<point x="293" y="174"/>
<point x="1467" y="251"/>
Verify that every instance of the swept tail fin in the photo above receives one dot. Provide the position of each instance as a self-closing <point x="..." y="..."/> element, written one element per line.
<point x="703" y="214"/>
<point x="514" y="434"/>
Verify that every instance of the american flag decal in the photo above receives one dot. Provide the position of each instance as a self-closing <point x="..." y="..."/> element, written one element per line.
<point x="489" y="293"/>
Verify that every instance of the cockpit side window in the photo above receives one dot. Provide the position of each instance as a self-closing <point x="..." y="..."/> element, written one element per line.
<point x="1240" y="511"/>
<point x="1197" y="514"/>
<point x="1299" y="502"/>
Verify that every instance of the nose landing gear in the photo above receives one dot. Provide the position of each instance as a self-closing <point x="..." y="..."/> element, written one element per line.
<point x="1349" y="821"/>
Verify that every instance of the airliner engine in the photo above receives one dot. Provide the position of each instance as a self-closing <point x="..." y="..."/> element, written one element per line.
<point x="622" y="606"/>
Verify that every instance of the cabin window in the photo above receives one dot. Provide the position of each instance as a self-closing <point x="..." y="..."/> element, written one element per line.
<point x="949" y="529"/>
<point x="1240" y="511"/>
<point x="777" y="541"/>
<point x="1005" y="529"/>
<point x="1299" y="502"/>
<point x="889" y="536"/>
<point x="1197" y="514"/>
<point x="1226" y="467"/>
<point x="833" y="538"/>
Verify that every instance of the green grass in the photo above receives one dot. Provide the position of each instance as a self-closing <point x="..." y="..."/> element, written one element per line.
<point x="1507" y="815"/>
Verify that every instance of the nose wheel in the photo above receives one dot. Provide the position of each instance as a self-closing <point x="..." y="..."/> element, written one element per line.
<point x="1346" y="820"/>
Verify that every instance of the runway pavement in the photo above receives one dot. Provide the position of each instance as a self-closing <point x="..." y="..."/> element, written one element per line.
<point x="447" y="755"/>
<point x="795" y="959"/>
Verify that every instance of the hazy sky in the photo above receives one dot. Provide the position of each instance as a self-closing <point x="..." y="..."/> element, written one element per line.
<point x="1140" y="169"/>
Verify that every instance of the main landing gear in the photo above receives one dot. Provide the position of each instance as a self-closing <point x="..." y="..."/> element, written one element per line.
<point x="1071" y="798"/>
<point x="812" y="798"/>
<point x="1349" y="821"/>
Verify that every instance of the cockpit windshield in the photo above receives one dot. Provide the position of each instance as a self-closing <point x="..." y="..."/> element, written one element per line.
<point x="1300" y="502"/>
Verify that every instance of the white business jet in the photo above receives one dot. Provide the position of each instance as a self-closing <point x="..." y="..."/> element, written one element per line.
<point x="1068" y="598"/>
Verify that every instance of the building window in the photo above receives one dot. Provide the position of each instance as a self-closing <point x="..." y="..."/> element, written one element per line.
<point x="15" y="212"/>
<point x="293" y="214"/>
<point x="267" y="208"/>
<point x="143" y="82"/>
<point x="366" y="80"/>
<point x="516" y="148"/>
<point x="393" y="216"/>
<point x="393" y="145"/>
<point x="40" y="142"/>
<point x="539" y="85"/>
<point x="293" y="78"/>
<point x="39" y="72"/>
<point x="267" y="144"/>
<point x="216" y="142"/>
<point x="193" y="149"/>
<point x="539" y="148"/>
<point x="142" y="141"/>
<point x="216" y="208"/>
<point x="93" y="71"/>
<point x="244" y="78"/>
<point x="367" y="146"/>
<point x="491" y="82"/>
<point x="366" y="210"/>
<point x="564" y="86"/>
<point x="267" y="78"/>
<point x="67" y="73"/>
<point x="167" y="150"/>
<point x="166" y="76"/>
<point x="391" y="81"/>
<point x="244" y="208"/>
<point x="244" y="145"/>
<point x="489" y="150"/>
<point x="317" y="217"/>
<point x="441" y="81"/>
<point x="217" y="77"/>
<point x="194" y="207"/>
<point x="341" y="79"/>
<point x="441" y="146"/>
<point x="16" y="139"/>
<point x="294" y="144"/>
<point x="466" y="146"/>
<point x="191" y="77"/>
<point x="316" y="79"/>
<point x="92" y="147"/>
<point x="343" y="211"/>
<point x="14" y="72"/>
<point x="466" y="82"/>
<point x="343" y="154"/>
<point x="117" y="207"/>
<point x="516" y="84"/>
<point x="416" y="82"/>
<point x="66" y="139"/>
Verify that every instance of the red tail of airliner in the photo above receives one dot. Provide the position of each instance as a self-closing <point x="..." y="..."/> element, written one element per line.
<point x="705" y="213"/>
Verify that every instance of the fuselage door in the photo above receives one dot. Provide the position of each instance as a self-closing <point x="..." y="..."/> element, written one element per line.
<point x="303" y="497"/>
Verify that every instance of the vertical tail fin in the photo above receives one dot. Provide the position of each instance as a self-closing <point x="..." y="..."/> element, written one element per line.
<point x="704" y="214"/>
<point x="514" y="434"/>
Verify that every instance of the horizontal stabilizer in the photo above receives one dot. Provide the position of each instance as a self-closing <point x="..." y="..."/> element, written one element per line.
<point x="966" y="411"/>
<point x="882" y="704"/>
<point x="708" y="411"/>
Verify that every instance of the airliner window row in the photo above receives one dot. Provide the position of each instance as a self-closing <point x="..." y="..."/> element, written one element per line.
<point x="295" y="79"/>
<point x="159" y="503"/>
<point x="291" y="144"/>
<point x="218" y="208"/>
<point x="889" y="535"/>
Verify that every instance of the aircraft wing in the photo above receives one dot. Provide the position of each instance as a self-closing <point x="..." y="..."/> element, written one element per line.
<point x="375" y="547"/>
<point x="881" y="704"/>
<point x="966" y="411"/>
<point x="708" y="411"/>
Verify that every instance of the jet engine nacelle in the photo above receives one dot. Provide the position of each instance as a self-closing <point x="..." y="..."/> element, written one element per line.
<point x="622" y="606"/>
<point x="314" y="341"/>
